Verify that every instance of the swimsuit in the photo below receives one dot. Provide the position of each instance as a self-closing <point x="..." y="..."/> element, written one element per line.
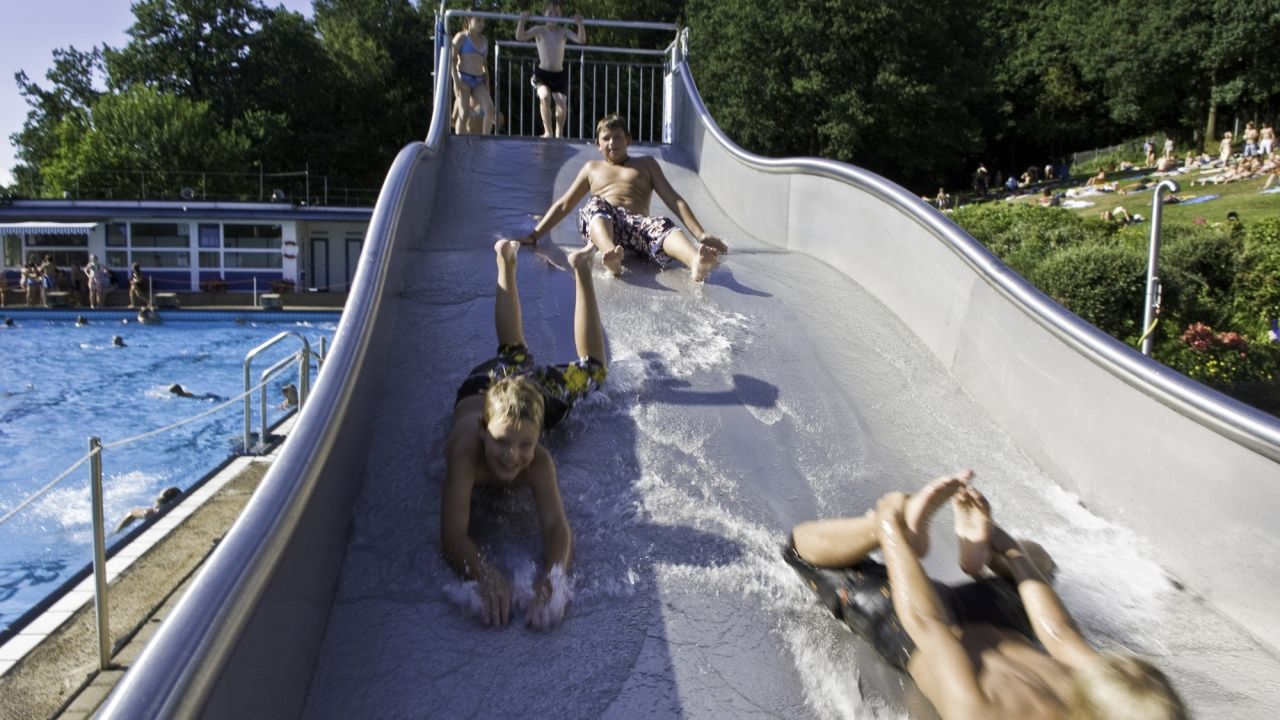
<point x="642" y="234"/>
<point x="860" y="597"/>
<point x="470" y="47"/>
<point x="471" y="80"/>
<point x="560" y="385"/>
<point x="556" y="80"/>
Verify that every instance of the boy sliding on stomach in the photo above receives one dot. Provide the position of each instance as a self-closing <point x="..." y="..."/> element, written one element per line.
<point x="617" y="215"/>
<point x="550" y="78"/>
<point x="501" y="410"/>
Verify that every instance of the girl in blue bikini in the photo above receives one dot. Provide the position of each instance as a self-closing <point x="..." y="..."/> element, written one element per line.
<point x="471" y="76"/>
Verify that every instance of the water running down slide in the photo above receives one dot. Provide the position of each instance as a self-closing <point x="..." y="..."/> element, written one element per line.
<point x="852" y="343"/>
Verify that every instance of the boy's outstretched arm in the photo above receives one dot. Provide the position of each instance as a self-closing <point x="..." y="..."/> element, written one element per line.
<point x="561" y="208"/>
<point x="1050" y="620"/>
<point x="581" y="37"/>
<point x="557" y="538"/>
<point x="943" y="671"/>
<point x="459" y="549"/>
<point x="676" y="202"/>
<point x="523" y="35"/>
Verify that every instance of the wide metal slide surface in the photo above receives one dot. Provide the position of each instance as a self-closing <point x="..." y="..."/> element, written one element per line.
<point x="846" y="347"/>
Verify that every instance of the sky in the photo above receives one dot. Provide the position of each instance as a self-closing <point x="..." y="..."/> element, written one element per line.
<point x="35" y="28"/>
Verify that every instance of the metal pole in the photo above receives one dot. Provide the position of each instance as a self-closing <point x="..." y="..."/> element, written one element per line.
<point x="248" y="410"/>
<point x="1152" y="304"/>
<point x="99" y="554"/>
<point x="582" y="79"/>
<point x="255" y="292"/>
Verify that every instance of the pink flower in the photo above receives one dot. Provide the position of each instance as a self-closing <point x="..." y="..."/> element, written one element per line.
<point x="1199" y="336"/>
<point x="1233" y="340"/>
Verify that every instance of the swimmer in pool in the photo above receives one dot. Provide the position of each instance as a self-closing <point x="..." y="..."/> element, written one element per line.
<point x="290" y="393"/>
<point x="501" y="410"/>
<point x="1002" y="646"/>
<point x="182" y="392"/>
<point x="617" y="214"/>
<point x="117" y="341"/>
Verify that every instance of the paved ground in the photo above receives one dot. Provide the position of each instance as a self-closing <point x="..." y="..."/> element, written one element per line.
<point x="60" y="678"/>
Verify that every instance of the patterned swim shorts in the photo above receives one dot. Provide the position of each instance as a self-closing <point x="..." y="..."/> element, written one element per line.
<point x="561" y="385"/>
<point x="641" y="233"/>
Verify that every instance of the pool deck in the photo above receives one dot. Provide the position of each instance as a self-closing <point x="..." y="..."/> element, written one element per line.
<point x="50" y="669"/>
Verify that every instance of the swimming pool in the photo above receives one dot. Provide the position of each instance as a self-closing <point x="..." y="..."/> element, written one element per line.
<point x="61" y="383"/>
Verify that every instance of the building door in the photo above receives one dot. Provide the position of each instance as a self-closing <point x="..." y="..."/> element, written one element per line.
<point x="353" y="258"/>
<point x="319" y="274"/>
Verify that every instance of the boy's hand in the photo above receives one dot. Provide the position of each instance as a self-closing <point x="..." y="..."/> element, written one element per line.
<point x="524" y="16"/>
<point x="495" y="598"/>
<point x="891" y="506"/>
<point x="542" y="613"/>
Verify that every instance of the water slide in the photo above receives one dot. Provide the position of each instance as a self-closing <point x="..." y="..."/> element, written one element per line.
<point x="854" y="341"/>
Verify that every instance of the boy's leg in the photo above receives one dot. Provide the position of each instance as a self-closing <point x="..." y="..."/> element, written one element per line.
<point x="506" y="303"/>
<point x="600" y="232"/>
<point x="843" y="542"/>
<point x="588" y="333"/>
<point x="561" y="112"/>
<point x="700" y="259"/>
<point x="973" y="529"/>
<point x="544" y="108"/>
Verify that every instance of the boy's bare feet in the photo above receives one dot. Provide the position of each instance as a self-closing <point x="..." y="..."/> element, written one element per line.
<point x="922" y="505"/>
<point x="507" y="250"/>
<point x="716" y="244"/>
<point x="580" y="259"/>
<point x="708" y="257"/>
<point x="973" y="529"/>
<point x="612" y="260"/>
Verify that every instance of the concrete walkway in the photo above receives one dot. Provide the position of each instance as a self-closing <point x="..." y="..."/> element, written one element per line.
<point x="59" y="676"/>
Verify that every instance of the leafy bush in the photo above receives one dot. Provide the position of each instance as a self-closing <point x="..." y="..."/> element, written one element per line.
<point x="1256" y="299"/>
<point x="1220" y="359"/>
<point x="1104" y="284"/>
<point x="1024" y="235"/>
<point x="1198" y="269"/>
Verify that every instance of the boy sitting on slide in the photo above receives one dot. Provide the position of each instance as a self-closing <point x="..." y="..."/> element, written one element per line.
<point x="617" y="215"/>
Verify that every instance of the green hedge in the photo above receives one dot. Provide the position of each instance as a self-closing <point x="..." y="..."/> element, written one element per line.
<point x="1211" y="277"/>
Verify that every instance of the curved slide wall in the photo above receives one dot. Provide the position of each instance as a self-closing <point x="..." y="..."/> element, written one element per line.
<point x="281" y="623"/>
<point x="1193" y="470"/>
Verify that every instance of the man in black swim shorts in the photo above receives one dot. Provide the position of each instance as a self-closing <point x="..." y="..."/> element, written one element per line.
<point x="550" y="80"/>
<point x="1002" y="646"/>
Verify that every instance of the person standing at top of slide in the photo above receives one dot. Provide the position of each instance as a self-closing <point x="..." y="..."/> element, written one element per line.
<point x="471" y="75"/>
<point x="550" y="78"/>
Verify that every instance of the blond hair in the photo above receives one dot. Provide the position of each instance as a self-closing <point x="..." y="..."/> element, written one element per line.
<point x="514" y="399"/>
<point x="1124" y="687"/>
<point x="612" y="121"/>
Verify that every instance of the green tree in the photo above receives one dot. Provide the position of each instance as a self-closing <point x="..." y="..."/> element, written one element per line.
<point x="146" y="131"/>
<point x="56" y="114"/>
<point x="894" y="87"/>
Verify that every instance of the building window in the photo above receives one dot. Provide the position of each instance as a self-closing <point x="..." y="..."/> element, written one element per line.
<point x="255" y="260"/>
<point x="117" y="258"/>
<point x="252" y="237"/>
<point x="117" y="235"/>
<point x="162" y="259"/>
<point x="161" y="235"/>
<point x="210" y="236"/>
<point x="58" y="241"/>
<point x="210" y="259"/>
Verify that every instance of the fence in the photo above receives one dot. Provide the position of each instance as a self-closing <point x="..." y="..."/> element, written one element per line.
<point x="299" y="187"/>
<point x="597" y="87"/>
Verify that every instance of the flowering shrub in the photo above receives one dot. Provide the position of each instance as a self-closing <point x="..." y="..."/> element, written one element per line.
<point x="1220" y="359"/>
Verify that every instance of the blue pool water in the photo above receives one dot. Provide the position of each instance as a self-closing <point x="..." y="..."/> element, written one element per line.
<point x="60" y="384"/>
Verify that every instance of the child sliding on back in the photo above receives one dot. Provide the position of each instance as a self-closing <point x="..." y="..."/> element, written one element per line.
<point x="501" y="410"/>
